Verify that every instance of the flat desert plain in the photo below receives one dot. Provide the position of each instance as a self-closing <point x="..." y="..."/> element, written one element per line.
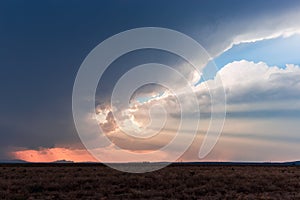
<point x="96" y="181"/>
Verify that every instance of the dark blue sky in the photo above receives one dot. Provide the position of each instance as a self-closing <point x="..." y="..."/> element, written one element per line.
<point x="43" y="43"/>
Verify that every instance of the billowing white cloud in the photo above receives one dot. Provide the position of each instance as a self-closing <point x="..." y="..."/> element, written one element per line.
<point x="245" y="82"/>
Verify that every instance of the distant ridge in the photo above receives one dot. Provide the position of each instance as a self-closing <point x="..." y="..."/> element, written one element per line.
<point x="23" y="161"/>
<point x="63" y="161"/>
<point x="13" y="161"/>
<point x="294" y="163"/>
<point x="290" y="163"/>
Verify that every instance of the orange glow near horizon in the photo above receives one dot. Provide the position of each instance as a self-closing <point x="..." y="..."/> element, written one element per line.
<point x="54" y="154"/>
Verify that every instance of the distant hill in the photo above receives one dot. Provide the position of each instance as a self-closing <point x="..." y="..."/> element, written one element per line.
<point x="63" y="161"/>
<point x="13" y="161"/>
<point x="292" y="163"/>
<point x="23" y="161"/>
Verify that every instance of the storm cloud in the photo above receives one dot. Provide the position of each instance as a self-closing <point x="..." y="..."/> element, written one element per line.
<point x="44" y="44"/>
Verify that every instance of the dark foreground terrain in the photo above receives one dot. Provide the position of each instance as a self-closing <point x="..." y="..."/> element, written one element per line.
<point x="95" y="181"/>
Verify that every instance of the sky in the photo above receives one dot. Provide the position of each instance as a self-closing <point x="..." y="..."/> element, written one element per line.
<point x="255" y="46"/>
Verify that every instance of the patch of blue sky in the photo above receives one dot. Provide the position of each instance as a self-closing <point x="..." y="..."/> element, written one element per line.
<point x="274" y="52"/>
<point x="144" y="99"/>
<point x="279" y="51"/>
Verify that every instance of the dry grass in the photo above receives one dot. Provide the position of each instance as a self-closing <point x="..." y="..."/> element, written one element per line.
<point x="174" y="182"/>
